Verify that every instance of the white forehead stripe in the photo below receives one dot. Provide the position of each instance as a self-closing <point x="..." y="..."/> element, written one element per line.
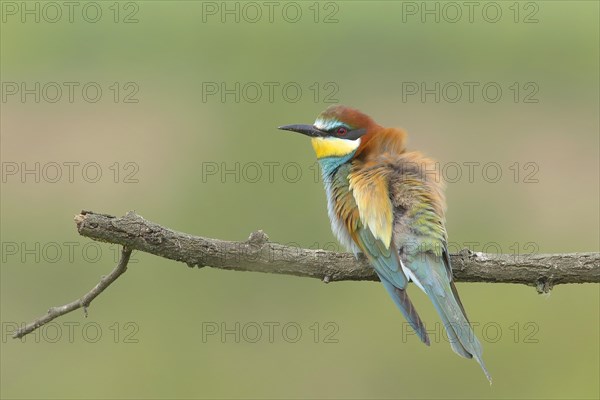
<point x="327" y="124"/>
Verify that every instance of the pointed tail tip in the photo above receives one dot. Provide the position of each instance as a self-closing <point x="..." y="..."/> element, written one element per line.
<point x="425" y="338"/>
<point x="485" y="371"/>
<point x="488" y="376"/>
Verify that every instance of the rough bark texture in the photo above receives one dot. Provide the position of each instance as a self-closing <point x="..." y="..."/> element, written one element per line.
<point x="258" y="254"/>
<point x="83" y="302"/>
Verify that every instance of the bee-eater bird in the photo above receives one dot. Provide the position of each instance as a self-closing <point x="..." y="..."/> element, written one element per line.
<point x="385" y="202"/>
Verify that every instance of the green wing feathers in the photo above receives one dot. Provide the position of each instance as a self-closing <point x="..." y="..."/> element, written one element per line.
<point x="398" y="222"/>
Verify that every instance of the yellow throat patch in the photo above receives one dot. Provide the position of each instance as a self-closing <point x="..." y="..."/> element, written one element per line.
<point x="333" y="147"/>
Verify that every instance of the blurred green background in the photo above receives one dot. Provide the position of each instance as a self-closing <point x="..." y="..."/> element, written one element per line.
<point x="146" y="337"/>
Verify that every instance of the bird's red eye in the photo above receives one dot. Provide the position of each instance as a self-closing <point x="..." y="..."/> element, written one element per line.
<point x="342" y="131"/>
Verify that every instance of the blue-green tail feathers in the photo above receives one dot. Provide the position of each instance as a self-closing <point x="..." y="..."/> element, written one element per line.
<point x="433" y="274"/>
<point x="401" y="299"/>
<point x="434" y="277"/>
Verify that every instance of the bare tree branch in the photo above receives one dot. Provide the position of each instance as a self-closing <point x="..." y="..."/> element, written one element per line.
<point x="84" y="302"/>
<point x="258" y="254"/>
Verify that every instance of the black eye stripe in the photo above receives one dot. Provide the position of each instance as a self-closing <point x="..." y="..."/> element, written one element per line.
<point x="338" y="127"/>
<point x="355" y="134"/>
<point x="349" y="134"/>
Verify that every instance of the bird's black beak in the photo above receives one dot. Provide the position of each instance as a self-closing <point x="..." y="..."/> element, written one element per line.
<point x="307" y="130"/>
